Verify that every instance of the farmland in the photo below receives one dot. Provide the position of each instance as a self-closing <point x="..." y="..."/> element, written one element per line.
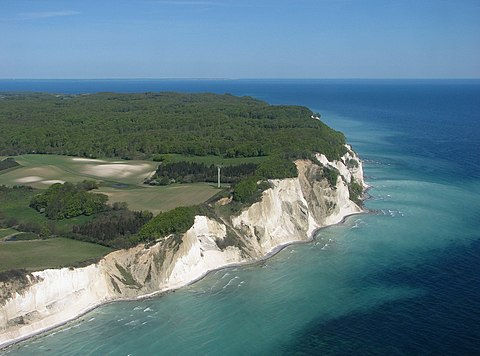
<point x="51" y="253"/>
<point x="121" y="180"/>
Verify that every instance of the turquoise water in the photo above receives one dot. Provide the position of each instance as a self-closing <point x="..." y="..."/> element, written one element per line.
<point x="402" y="279"/>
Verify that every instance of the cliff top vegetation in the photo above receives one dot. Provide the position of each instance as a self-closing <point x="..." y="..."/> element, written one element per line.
<point x="140" y="126"/>
<point x="184" y="136"/>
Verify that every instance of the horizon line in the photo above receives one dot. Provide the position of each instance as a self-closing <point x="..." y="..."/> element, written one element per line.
<point x="248" y="78"/>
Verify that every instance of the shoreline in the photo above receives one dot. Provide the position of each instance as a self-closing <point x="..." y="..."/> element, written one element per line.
<point x="160" y="293"/>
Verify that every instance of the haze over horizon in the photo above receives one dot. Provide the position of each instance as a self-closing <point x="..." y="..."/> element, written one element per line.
<point x="54" y="39"/>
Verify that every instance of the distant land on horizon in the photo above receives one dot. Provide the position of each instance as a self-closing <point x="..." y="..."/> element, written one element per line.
<point x="247" y="79"/>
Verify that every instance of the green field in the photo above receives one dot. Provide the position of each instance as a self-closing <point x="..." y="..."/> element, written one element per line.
<point x="40" y="171"/>
<point x="16" y="206"/>
<point x="51" y="253"/>
<point x="161" y="198"/>
<point x="121" y="180"/>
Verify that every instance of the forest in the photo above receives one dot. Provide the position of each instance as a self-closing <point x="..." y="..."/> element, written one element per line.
<point x="114" y="228"/>
<point x="260" y="142"/>
<point x="274" y="167"/>
<point x="189" y="172"/>
<point x="140" y="126"/>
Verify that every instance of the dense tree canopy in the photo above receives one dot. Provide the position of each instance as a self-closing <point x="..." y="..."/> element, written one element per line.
<point x="176" y="221"/>
<point x="276" y="168"/>
<point x="63" y="201"/>
<point x="143" y="125"/>
<point x="245" y="189"/>
<point x="112" y="228"/>
<point x="188" y="172"/>
<point x="149" y="125"/>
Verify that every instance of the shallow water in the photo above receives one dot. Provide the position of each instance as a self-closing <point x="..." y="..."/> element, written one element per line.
<point x="402" y="279"/>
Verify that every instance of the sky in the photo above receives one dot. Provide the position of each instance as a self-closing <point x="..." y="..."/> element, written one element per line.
<point x="88" y="39"/>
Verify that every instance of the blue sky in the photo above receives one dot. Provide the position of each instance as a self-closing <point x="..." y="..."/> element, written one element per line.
<point x="240" y="39"/>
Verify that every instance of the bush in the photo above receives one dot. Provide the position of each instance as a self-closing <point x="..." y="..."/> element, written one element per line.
<point x="64" y="201"/>
<point x="8" y="163"/>
<point x="352" y="163"/>
<point x="23" y="236"/>
<point x="245" y="189"/>
<point x="331" y="174"/>
<point x="356" y="191"/>
<point x="247" y="192"/>
<point x="176" y="221"/>
<point x="15" y="274"/>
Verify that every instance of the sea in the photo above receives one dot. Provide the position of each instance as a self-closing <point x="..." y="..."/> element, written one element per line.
<point x="400" y="279"/>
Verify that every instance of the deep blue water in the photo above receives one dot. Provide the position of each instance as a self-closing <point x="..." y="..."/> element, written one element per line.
<point x="404" y="279"/>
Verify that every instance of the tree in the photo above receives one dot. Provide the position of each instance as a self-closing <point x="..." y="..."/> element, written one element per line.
<point x="64" y="201"/>
<point x="175" y="221"/>
<point x="245" y="189"/>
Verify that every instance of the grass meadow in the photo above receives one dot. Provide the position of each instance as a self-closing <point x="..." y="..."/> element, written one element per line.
<point x="161" y="198"/>
<point x="121" y="180"/>
<point x="36" y="255"/>
<point x="40" y="170"/>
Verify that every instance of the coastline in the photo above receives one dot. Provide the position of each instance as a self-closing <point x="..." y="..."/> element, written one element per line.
<point x="292" y="211"/>
<point x="160" y="293"/>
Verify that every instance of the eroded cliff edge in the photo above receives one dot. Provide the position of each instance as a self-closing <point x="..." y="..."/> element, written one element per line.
<point x="291" y="210"/>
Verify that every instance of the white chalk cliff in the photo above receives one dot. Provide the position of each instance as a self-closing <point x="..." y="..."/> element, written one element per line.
<point x="291" y="210"/>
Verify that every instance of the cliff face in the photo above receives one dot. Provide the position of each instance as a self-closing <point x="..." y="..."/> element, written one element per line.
<point x="291" y="210"/>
